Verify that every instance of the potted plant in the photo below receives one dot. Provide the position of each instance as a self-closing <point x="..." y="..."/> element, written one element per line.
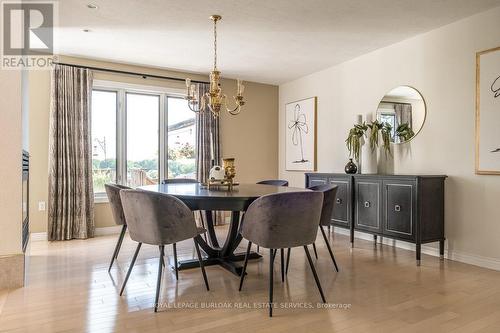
<point x="377" y="130"/>
<point x="404" y="132"/>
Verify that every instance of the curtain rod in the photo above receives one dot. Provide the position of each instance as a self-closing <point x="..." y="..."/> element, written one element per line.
<point x="116" y="71"/>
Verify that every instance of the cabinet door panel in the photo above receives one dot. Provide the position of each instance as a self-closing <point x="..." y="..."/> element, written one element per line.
<point x="399" y="209"/>
<point x="368" y="205"/>
<point x="341" y="207"/>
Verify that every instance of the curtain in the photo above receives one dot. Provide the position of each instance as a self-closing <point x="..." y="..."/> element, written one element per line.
<point x="208" y="148"/>
<point x="71" y="195"/>
<point x="208" y="151"/>
<point x="403" y="115"/>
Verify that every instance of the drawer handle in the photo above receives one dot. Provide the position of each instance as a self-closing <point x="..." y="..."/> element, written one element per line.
<point x="367" y="204"/>
<point x="339" y="201"/>
<point x="397" y="208"/>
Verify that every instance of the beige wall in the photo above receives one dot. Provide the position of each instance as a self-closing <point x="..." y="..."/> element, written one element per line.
<point x="10" y="168"/>
<point x="441" y="65"/>
<point x="250" y="137"/>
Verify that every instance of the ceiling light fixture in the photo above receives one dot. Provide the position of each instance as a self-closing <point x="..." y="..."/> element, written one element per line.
<point x="92" y="6"/>
<point x="214" y="99"/>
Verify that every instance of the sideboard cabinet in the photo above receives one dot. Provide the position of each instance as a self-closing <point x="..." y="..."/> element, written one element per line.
<point x="403" y="207"/>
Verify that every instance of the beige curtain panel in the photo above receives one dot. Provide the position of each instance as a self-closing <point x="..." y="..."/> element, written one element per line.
<point x="71" y="195"/>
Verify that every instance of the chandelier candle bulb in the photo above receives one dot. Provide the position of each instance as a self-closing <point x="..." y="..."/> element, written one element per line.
<point x="188" y="83"/>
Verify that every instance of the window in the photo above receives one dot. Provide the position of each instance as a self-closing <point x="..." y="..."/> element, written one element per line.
<point x="140" y="135"/>
<point x="181" y="139"/>
<point x="143" y="135"/>
<point x="103" y="138"/>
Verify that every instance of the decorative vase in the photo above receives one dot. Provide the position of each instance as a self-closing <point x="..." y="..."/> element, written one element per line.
<point x="351" y="167"/>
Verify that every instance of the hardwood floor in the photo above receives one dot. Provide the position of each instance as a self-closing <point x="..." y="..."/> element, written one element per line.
<point x="379" y="287"/>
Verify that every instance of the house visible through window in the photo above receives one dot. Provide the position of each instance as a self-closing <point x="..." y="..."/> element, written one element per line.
<point x="140" y="136"/>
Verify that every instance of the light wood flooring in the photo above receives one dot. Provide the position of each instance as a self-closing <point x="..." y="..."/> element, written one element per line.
<point x="69" y="290"/>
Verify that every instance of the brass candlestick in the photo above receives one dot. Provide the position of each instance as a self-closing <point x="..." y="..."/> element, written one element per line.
<point x="230" y="171"/>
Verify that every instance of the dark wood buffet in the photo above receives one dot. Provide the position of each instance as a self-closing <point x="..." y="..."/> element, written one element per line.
<point x="402" y="207"/>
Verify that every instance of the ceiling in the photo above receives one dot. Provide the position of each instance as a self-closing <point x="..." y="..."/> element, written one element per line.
<point x="259" y="40"/>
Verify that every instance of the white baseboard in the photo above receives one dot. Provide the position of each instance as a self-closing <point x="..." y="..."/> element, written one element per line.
<point x="466" y="258"/>
<point x="103" y="231"/>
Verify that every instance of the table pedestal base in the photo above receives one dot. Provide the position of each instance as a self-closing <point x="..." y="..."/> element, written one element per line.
<point x="228" y="263"/>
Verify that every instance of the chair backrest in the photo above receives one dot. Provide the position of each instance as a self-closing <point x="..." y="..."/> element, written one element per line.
<point x="179" y="181"/>
<point x="283" y="220"/>
<point x="156" y="218"/>
<point x="113" y="192"/>
<point x="275" y="182"/>
<point x="329" y="193"/>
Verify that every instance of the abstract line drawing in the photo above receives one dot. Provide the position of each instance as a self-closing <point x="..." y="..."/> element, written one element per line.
<point x="495" y="87"/>
<point x="298" y="126"/>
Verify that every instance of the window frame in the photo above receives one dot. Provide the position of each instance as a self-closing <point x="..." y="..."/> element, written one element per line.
<point x="121" y="89"/>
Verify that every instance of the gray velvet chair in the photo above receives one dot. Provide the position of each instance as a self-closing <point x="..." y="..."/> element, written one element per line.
<point x="184" y="181"/>
<point x="279" y="221"/>
<point x="179" y="181"/>
<point x="113" y="192"/>
<point x="158" y="219"/>
<point x="275" y="182"/>
<point x="329" y="192"/>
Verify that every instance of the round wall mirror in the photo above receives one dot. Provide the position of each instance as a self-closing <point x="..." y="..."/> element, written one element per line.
<point x="403" y="108"/>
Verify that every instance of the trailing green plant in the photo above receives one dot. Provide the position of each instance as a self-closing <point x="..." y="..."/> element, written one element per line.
<point x="377" y="130"/>
<point x="404" y="132"/>
<point x="353" y="141"/>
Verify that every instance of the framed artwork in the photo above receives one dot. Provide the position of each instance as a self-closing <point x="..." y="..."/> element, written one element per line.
<point x="300" y="143"/>
<point x="488" y="112"/>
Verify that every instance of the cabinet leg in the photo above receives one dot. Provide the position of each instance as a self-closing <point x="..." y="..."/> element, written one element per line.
<point x="418" y="253"/>
<point x="441" y="249"/>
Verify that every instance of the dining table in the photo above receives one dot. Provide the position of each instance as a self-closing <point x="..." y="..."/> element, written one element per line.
<point x="199" y="197"/>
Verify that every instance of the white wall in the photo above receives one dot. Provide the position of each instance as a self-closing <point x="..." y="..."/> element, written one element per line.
<point x="10" y="167"/>
<point x="441" y="65"/>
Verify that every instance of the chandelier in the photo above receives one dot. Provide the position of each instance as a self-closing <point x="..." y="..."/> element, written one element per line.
<point x="214" y="100"/>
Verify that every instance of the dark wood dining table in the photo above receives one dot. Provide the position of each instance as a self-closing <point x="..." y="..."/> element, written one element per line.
<point x="199" y="197"/>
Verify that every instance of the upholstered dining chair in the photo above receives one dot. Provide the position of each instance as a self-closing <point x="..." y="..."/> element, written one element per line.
<point x="279" y="221"/>
<point x="158" y="219"/>
<point x="179" y="181"/>
<point x="329" y="192"/>
<point x="275" y="182"/>
<point x="113" y="192"/>
<point x="184" y="181"/>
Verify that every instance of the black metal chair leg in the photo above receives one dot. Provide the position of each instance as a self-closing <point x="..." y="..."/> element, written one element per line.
<point x="315" y="251"/>
<point x="243" y="272"/>
<point x="202" y="266"/>
<point x="158" y="282"/>
<point x="176" y="262"/>
<point x="130" y="268"/>
<point x="314" y="273"/>
<point x="271" y="269"/>
<point x="162" y="258"/>
<point x="288" y="260"/>
<point x="282" y="254"/>
<point x="118" y="246"/>
<point x="329" y="248"/>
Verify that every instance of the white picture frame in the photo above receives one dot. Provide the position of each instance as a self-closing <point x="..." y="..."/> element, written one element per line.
<point x="300" y="129"/>
<point x="488" y="112"/>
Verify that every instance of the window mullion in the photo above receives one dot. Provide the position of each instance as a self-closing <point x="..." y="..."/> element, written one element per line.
<point x="122" y="139"/>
